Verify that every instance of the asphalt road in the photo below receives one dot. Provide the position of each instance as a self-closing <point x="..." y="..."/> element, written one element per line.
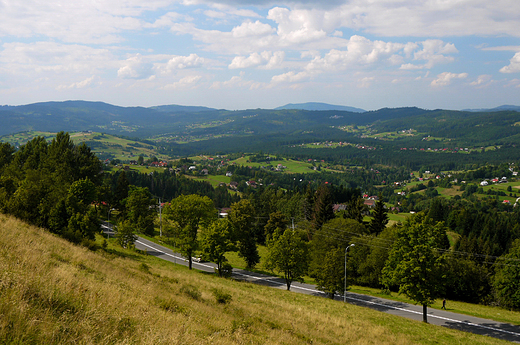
<point x="443" y="318"/>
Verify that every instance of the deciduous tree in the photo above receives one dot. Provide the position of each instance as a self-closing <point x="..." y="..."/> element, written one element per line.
<point x="188" y="213"/>
<point x="242" y="217"/>
<point x="288" y="253"/>
<point x="416" y="262"/>
<point x="216" y="241"/>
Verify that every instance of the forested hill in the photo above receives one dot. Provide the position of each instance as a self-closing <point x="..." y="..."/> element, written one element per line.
<point x="279" y="127"/>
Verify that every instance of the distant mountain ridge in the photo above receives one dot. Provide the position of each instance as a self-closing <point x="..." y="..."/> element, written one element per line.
<point x="500" y="108"/>
<point x="317" y="106"/>
<point x="174" y="108"/>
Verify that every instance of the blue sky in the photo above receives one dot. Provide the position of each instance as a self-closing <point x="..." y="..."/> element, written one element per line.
<point x="450" y="54"/>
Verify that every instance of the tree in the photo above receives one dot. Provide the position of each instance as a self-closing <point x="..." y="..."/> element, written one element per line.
<point x="330" y="277"/>
<point x="323" y="207"/>
<point x="355" y="209"/>
<point x="188" y="213"/>
<point x="288" y="253"/>
<point x="125" y="235"/>
<point x="507" y="278"/>
<point x="216" y="241"/>
<point x="379" y="217"/>
<point x="82" y="226"/>
<point x="277" y="220"/>
<point x="121" y="192"/>
<point x="140" y="209"/>
<point x="327" y="253"/>
<point x="416" y="262"/>
<point x="241" y="218"/>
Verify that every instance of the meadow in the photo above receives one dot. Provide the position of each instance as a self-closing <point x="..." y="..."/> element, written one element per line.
<point x="53" y="292"/>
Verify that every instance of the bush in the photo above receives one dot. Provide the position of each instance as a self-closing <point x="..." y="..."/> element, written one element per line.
<point x="220" y="296"/>
<point x="226" y="270"/>
<point x="191" y="291"/>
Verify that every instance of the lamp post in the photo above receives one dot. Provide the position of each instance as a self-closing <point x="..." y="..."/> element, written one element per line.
<point x="108" y="221"/>
<point x="345" y="286"/>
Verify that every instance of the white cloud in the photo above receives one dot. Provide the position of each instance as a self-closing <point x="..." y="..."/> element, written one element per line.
<point x="360" y="51"/>
<point x="482" y="81"/>
<point x="135" y="68"/>
<point x="445" y="78"/>
<point x="78" y="85"/>
<point x="434" y="52"/>
<point x="84" y="22"/>
<point x="411" y="66"/>
<point x="48" y="57"/>
<point x="514" y="65"/>
<point x="290" y="77"/>
<point x="268" y="59"/>
<point x="188" y="82"/>
<point x="180" y="62"/>
<point x="365" y="82"/>
<point x="249" y="28"/>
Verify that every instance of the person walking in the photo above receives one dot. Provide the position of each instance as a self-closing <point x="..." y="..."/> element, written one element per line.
<point x="444" y="304"/>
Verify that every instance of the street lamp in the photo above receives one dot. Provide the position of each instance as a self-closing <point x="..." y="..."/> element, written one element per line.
<point x="345" y="288"/>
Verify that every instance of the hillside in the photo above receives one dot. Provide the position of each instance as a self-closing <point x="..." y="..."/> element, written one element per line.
<point x="52" y="292"/>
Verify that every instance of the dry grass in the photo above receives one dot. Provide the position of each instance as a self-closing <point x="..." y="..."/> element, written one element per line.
<point x="52" y="292"/>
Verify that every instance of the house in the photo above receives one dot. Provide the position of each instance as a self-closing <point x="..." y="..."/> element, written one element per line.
<point x="339" y="207"/>
<point x="233" y="185"/>
<point x="251" y="183"/>
<point x="204" y="171"/>
<point x="370" y="203"/>
<point x="484" y="183"/>
<point x="229" y="174"/>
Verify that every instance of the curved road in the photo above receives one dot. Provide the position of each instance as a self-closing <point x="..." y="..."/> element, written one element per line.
<point x="443" y="318"/>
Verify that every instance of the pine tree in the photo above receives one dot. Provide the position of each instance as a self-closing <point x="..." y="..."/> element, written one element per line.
<point x="379" y="217"/>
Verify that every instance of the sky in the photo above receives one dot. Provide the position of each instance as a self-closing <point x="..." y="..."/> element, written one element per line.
<point x="230" y="54"/>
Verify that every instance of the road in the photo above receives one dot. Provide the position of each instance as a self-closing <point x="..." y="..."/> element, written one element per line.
<point x="443" y="318"/>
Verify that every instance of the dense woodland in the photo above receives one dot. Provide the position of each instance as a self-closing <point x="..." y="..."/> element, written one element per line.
<point x="62" y="187"/>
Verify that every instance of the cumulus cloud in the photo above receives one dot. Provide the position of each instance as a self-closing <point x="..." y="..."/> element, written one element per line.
<point x="135" y="68"/>
<point x="445" y="78"/>
<point x="249" y="28"/>
<point x="180" y="62"/>
<point x="360" y="51"/>
<point x="188" y="82"/>
<point x="514" y="65"/>
<point x="290" y="77"/>
<point x="78" y="85"/>
<point x="268" y="60"/>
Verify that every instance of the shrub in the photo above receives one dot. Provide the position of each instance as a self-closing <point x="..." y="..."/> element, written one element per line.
<point x="221" y="296"/>
<point x="191" y="291"/>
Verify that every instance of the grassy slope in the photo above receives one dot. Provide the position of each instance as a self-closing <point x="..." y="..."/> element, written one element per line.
<point x="53" y="292"/>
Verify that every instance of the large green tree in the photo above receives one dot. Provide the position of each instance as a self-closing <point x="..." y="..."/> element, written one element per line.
<point x="186" y="215"/>
<point x="288" y="254"/>
<point x="416" y="262"/>
<point x="242" y="218"/>
<point x="140" y="209"/>
<point x="327" y="253"/>
<point x="216" y="241"/>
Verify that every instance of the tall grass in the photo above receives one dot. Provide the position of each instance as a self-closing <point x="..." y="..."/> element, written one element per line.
<point x="52" y="292"/>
